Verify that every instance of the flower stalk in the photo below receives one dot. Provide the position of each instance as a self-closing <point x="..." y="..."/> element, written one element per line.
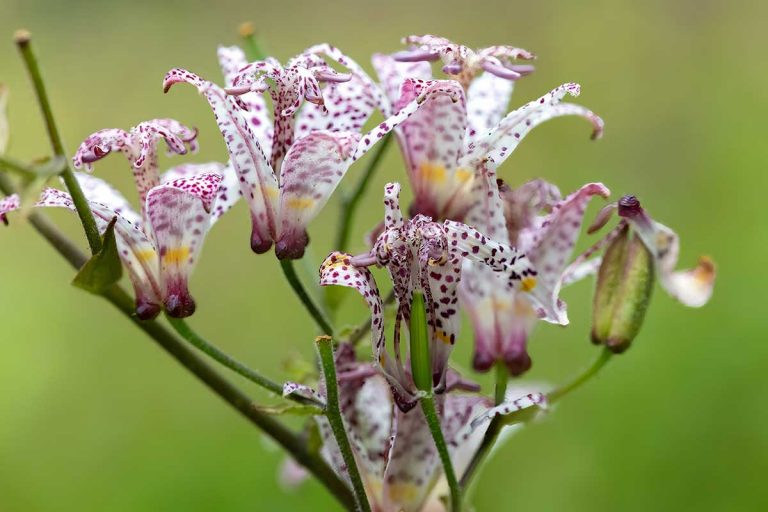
<point x="184" y="330"/>
<point x="23" y="40"/>
<point x="314" y="310"/>
<point x="324" y="346"/>
<point x="421" y="368"/>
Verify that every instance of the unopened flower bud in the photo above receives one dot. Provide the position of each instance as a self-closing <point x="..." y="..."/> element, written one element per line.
<point x="624" y="284"/>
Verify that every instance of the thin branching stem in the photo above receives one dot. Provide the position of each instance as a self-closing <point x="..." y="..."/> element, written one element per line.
<point x="333" y="413"/>
<point x="494" y="428"/>
<point x="17" y="168"/>
<point x="184" y="330"/>
<point x="587" y="375"/>
<point x="175" y="347"/>
<point x="314" y="310"/>
<point x="23" y="42"/>
<point x="349" y="203"/>
<point x="433" y="422"/>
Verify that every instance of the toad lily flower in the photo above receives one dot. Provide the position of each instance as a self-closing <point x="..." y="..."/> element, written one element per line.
<point x="394" y="450"/>
<point x="692" y="287"/>
<point x="503" y="318"/>
<point x="8" y="204"/>
<point x="462" y="63"/>
<point x="160" y="246"/>
<point x="446" y="143"/>
<point x="288" y="190"/>
<point x="426" y="257"/>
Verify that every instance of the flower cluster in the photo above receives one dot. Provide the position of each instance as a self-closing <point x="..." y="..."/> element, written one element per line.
<point x="469" y="242"/>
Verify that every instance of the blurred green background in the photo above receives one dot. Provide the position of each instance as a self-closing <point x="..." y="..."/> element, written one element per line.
<point x="93" y="416"/>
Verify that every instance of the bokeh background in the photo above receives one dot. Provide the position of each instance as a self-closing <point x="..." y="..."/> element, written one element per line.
<point x="93" y="416"/>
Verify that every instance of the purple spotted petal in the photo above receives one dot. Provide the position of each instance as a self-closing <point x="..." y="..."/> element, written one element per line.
<point x="393" y="74"/>
<point x="7" y="205"/>
<point x="232" y="60"/>
<point x="229" y="188"/>
<point x="487" y="101"/>
<point x="179" y="213"/>
<point x="258" y="183"/>
<point x="311" y="171"/>
<point x="136" y="250"/>
<point x="499" y="142"/>
<point x="550" y="244"/>
<point x="432" y="141"/>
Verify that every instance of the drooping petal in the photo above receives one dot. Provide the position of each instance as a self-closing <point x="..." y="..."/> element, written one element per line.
<point x="550" y="243"/>
<point x="179" y="212"/>
<point x="146" y="171"/>
<point x="99" y="191"/>
<point x="499" y="142"/>
<point x="366" y="85"/>
<point x="487" y="101"/>
<point x="311" y="171"/>
<point x="231" y="60"/>
<point x="393" y="73"/>
<point x="337" y="269"/>
<point x="469" y="243"/>
<point x="432" y="141"/>
<point x="258" y="183"/>
<point x="348" y="105"/>
<point x="413" y="461"/>
<point x="136" y="250"/>
<point x="691" y="287"/>
<point x="7" y="205"/>
<point x="229" y="188"/>
<point x="501" y="316"/>
<point x="100" y="144"/>
<point x="508" y="407"/>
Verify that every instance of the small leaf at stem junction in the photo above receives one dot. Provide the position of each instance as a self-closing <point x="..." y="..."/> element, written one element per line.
<point x="104" y="268"/>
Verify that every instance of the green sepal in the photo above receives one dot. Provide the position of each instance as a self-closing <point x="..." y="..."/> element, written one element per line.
<point x="104" y="268"/>
<point x="292" y="410"/>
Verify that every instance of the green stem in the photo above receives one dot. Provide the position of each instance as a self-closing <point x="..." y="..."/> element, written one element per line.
<point x="301" y="292"/>
<point x="333" y="413"/>
<point x="502" y="378"/>
<point x="493" y="431"/>
<point x="21" y="170"/>
<point x="183" y="329"/>
<point x="496" y="425"/>
<point x="177" y="349"/>
<point x="253" y="51"/>
<point x="421" y="369"/>
<point x="350" y="203"/>
<point x="433" y="422"/>
<point x="604" y="357"/>
<point x="23" y="39"/>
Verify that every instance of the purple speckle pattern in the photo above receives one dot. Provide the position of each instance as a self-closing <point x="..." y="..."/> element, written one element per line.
<point x="7" y="205"/>
<point x="423" y="256"/>
<point x="139" y="145"/>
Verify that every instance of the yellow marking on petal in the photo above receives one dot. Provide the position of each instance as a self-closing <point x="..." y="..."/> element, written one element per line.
<point x="704" y="272"/>
<point x="300" y="203"/>
<point x="432" y="173"/>
<point x="273" y="192"/>
<point x="443" y="336"/>
<point x="463" y="175"/>
<point x="145" y="255"/>
<point x="176" y="256"/>
<point x="403" y="492"/>
<point x="528" y="283"/>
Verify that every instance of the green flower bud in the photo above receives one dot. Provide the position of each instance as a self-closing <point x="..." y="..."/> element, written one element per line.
<point x="624" y="284"/>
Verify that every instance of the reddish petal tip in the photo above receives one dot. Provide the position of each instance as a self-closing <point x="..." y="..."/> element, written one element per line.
<point x="146" y="310"/>
<point x="180" y="305"/>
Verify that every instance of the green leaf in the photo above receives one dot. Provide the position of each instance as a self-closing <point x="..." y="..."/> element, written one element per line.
<point x="104" y="268"/>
